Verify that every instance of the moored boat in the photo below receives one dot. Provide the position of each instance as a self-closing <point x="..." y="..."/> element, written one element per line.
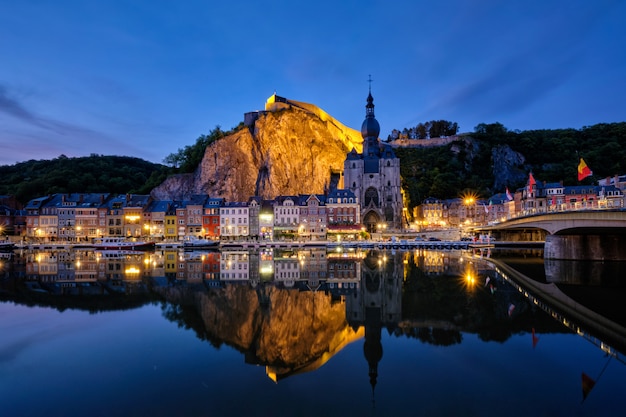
<point x="6" y="245"/>
<point x="193" y="242"/>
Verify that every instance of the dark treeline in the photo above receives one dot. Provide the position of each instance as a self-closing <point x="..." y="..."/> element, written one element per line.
<point x="91" y="174"/>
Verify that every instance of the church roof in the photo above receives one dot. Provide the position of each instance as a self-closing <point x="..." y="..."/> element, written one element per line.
<point x="370" y="128"/>
<point x="371" y="165"/>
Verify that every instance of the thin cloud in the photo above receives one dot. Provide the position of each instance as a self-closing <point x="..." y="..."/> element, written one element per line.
<point x="14" y="108"/>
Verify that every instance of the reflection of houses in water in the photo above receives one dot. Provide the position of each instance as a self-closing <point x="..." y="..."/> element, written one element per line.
<point x="313" y="266"/>
<point x="44" y="266"/>
<point x="191" y="270"/>
<point x="64" y="270"/>
<point x="120" y="265"/>
<point x="211" y="265"/>
<point x="266" y="264"/>
<point x="286" y="268"/>
<point x="433" y="262"/>
<point x="377" y="303"/>
<point x="309" y="269"/>
<point x="170" y="263"/>
<point x="344" y="273"/>
<point x="234" y="266"/>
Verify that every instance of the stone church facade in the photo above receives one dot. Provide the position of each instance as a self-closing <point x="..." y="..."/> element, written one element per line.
<point x="374" y="177"/>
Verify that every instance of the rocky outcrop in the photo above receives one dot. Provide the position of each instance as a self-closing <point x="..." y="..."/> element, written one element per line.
<point x="508" y="167"/>
<point x="291" y="150"/>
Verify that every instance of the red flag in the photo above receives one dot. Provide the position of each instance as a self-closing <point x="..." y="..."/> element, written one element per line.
<point x="535" y="338"/>
<point x="583" y="170"/>
<point x="588" y="384"/>
<point x="508" y="194"/>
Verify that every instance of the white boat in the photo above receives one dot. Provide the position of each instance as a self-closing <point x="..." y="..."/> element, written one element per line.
<point x="110" y="243"/>
<point x="194" y="242"/>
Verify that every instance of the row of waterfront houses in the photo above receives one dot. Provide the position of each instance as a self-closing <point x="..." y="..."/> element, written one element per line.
<point x="88" y="216"/>
<point x="80" y="217"/>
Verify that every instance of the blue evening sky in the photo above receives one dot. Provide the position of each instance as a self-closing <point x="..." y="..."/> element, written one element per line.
<point x="145" y="78"/>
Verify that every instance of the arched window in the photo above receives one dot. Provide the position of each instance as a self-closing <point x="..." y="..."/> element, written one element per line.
<point x="388" y="163"/>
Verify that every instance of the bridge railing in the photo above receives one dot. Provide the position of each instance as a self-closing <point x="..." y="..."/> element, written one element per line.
<point x="595" y="205"/>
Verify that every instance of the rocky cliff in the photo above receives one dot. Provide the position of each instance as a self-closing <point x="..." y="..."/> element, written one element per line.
<point x="290" y="148"/>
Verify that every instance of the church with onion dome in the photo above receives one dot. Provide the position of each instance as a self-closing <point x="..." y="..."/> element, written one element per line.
<point x="374" y="177"/>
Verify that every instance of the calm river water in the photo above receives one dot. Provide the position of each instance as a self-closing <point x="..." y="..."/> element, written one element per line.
<point x="306" y="333"/>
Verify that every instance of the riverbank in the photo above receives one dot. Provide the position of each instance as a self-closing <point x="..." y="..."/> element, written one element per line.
<point x="432" y="243"/>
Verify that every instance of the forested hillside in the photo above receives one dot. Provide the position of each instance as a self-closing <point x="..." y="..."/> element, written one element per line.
<point x="552" y="156"/>
<point x="95" y="173"/>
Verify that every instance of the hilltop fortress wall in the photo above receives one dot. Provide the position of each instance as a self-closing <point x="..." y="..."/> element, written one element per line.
<point x="276" y="103"/>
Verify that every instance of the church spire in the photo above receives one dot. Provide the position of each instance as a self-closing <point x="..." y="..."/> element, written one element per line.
<point x="369" y="108"/>
<point x="370" y="129"/>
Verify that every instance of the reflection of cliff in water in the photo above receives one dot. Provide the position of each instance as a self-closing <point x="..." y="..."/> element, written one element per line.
<point x="287" y="330"/>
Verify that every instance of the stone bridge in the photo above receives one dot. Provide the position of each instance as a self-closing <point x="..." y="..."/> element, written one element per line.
<point x="580" y="234"/>
<point x="568" y="222"/>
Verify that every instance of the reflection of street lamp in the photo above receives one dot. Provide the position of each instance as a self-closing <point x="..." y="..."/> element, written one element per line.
<point x="469" y="277"/>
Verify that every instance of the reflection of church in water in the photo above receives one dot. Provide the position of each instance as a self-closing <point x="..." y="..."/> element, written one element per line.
<point x="377" y="304"/>
<point x="374" y="177"/>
